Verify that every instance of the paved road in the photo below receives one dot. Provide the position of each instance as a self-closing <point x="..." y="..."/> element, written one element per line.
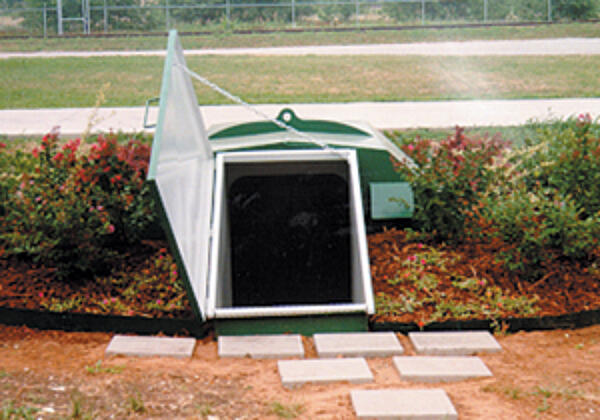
<point x="562" y="46"/>
<point x="73" y="121"/>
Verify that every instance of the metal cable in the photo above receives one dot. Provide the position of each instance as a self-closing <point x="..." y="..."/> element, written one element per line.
<point x="261" y="114"/>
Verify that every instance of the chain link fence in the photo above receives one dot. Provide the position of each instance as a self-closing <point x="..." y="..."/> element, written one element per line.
<point x="52" y="17"/>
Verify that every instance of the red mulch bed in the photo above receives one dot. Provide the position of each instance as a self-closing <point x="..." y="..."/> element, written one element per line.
<point x="568" y="287"/>
<point x="25" y="285"/>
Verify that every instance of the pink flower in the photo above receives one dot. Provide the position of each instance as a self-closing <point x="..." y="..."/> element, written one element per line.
<point x="411" y="147"/>
<point x="412" y="258"/>
<point x="423" y="261"/>
<point x="420" y="245"/>
<point x="99" y="208"/>
<point x="111" y="229"/>
<point x="105" y="301"/>
<point x="159" y="301"/>
<point x="38" y="198"/>
<point x="113" y="300"/>
<point x="41" y="294"/>
<point x="482" y="282"/>
<point x="174" y="273"/>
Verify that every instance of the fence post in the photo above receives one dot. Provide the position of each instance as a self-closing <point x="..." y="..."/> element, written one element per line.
<point x="293" y="13"/>
<point x="228" y="12"/>
<point x="88" y="17"/>
<point x="105" y="10"/>
<point x="423" y="12"/>
<point x="549" y="10"/>
<point x="167" y="14"/>
<point x="59" y="21"/>
<point x="44" y="14"/>
<point x="357" y="11"/>
<point x="485" y="10"/>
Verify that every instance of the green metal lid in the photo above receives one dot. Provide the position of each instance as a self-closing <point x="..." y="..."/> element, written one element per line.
<point x="288" y="117"/>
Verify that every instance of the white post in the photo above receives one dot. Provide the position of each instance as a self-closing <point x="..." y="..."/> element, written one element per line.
<point x="45" y="22"/>
<point x="88" y="18"/>
<point x="357" y="11"/>
<point x="549" y="10"/>
<point x="167" y="15"/>
<point x="105" y="18"/>
<point x="293" y="13"/>
<point x="485" y="10"/>
<point x="59" y="20"/>
<point x="83" y="16"/>
<point x="423" y="12"/>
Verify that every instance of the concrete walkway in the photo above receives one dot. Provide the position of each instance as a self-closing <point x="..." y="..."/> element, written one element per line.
<point x="383" y="115"/>
<point x="561" y="46"/>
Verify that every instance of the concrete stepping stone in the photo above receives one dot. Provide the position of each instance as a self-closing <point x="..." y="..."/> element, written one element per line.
<point x="400" y="404"/>
<point x="454" y="343"/>
<point x="440" y="368"/>
<point x="274" y="346"/>
<point x="323" y="371"/>
<point x="365" y="344"/>
<point x="145" y="346"/>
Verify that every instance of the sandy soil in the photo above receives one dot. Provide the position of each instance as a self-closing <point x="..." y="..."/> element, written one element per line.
<point x="547" y="375"/>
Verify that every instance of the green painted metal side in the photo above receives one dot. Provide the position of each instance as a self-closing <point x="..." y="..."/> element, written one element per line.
<point x="305" y="325"/>
<point x="181" y="269"/>
<point x="374" y="166"/>
<point x="288" y="117"/>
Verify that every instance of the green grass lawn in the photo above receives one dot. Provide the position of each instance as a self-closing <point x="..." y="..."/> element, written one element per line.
<point x="227" y="40"/>
<point x="76" y="82"/>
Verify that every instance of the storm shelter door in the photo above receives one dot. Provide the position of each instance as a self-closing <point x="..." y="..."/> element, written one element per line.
<point x="181" y="174"/>
<point x="288" y="235"/>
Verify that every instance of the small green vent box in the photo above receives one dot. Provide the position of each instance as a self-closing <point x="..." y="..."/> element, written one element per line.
<point x="391" y="200"/>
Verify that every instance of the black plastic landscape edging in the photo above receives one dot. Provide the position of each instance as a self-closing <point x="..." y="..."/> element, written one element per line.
<point x="102" y="323"/>
<point x="567" y="321"/>
<point x="192" y="327"/>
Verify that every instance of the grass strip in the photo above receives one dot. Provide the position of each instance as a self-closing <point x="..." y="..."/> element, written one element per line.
<point x="75" y="82"/>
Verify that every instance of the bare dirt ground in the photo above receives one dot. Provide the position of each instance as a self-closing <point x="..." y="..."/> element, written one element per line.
<point x="546" y="375"/>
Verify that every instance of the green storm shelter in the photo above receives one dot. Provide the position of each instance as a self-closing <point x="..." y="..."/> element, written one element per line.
<point x="267" y="220"/>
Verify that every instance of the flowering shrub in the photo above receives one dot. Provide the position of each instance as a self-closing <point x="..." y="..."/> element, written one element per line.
<point x="448" y="179"/>
<point x="532" y="205"/>
<point x="72" y="209"/>
<point x="547" y="206"/>
<point x="566" y="159"/>
<point x="532" y="228"/>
